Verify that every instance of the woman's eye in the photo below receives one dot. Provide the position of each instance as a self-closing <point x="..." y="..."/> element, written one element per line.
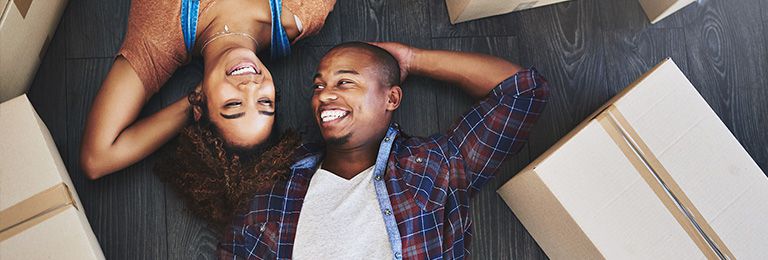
<point x="233" y="104"/>
<point x="317" y="86"/>
<point x="266" y="101"/>
<point x="343" y="82"/>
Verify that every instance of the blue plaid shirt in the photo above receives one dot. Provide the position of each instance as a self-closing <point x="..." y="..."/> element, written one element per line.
<point x="423" y="185"/>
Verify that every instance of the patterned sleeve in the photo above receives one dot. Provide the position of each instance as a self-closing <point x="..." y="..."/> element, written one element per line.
<point x="231" y="244"/>
<point x="494" y="128"/>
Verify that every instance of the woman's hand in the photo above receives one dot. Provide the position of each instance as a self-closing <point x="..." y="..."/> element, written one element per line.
<point x="405" y="55"/>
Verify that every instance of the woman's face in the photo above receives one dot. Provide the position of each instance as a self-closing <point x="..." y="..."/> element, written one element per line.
<point x="240" y="96"/>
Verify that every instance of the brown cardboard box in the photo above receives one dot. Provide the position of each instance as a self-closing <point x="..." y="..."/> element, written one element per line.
<point x="660" y="9"/>
<point x="465" y="10"/>
<point x="26" y="28"/>
<point x="41" y="216"/>
<point x="653" y="174"/>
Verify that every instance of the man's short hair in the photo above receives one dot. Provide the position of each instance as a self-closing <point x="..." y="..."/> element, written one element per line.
<point x="387" y="65"/>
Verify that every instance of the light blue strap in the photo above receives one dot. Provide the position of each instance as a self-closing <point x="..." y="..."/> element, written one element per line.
<point x="189" y="12"/>
<point x="281" y="46"/>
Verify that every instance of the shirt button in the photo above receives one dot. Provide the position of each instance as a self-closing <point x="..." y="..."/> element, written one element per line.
<point x="378" y="177"/>
<point x="419" y="160"/>
<point x="386" y="139"/>
<point x="387" y="212"/>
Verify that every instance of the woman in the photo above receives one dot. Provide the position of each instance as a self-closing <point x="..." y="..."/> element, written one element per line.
<point x="233" y="107"/>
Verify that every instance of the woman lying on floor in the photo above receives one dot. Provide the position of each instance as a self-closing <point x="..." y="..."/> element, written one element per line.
<point x="216" y="160"/>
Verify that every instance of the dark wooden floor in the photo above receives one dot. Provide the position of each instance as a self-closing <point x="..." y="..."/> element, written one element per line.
<point x="588" y="49"/>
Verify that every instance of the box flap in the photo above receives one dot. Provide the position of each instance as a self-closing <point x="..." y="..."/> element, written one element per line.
<point x="465" y="10"/>
<point x="64" y="236"/>
<point x="702" y="156"/>
<point x="546" y="219"/>
<point x="29" y="160"/>
<point x="609" y="199"/>
<point x="595" y="181"/>
<point x="22" y="39"/>
<point x="656" y="10"/>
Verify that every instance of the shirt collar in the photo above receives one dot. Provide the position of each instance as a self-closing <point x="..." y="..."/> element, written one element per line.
<point x="309" y="156"/>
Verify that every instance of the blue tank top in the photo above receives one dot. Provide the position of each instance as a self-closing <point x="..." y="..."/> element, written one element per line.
<point x="280" y="45"/>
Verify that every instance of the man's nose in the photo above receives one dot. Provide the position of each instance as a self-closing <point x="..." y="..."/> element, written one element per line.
<point x="327" y="95"/>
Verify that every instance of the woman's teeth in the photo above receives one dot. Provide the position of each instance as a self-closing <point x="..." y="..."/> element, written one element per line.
<point x="243" y="70"/>
<point x="330" y="115"/>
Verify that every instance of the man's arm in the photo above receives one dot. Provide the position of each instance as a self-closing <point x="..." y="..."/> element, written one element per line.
<point x="474" y="73"/>
<point x="510" y="102"/>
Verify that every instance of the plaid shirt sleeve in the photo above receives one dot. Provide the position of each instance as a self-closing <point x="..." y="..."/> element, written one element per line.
<point x="231" y="246"/>
<point x="494" y="128"/>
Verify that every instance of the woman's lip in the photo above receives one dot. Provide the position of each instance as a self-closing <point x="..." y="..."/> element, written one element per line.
<point x="241" y="65"/>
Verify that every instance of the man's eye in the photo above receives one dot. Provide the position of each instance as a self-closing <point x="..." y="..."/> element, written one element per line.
<point x="233" y="104"/>
<point x="317" y="86"/>
<point x="343" y="82"/>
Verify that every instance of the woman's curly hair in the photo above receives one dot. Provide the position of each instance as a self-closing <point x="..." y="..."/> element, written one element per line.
<point x="215" y="180"/>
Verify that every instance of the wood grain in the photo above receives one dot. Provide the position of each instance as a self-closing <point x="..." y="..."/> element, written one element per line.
<point x="565" y="44"/>
<point x="725" y="58"/>
<point x="630" y="54"/>
<point x="500" y="25"/>
<point x="588" y="49"/>
<point x="48" y="93"/>
<point x="95" y="28"/>
<point x="125" y="209"/>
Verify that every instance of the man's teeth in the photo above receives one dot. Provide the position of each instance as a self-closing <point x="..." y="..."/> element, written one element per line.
<point x="330" y="115"/>
<point x="243" y="70"/>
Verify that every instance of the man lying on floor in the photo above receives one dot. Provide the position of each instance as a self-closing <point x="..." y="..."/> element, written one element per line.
<point x="371" y="191"/>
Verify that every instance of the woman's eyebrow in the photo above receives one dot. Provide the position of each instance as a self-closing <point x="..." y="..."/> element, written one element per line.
<point x="232" y="116"/>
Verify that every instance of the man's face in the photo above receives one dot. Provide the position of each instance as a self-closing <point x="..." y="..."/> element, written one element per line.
<point x="350" y="102"/>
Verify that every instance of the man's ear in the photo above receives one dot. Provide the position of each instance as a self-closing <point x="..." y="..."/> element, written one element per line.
<point x="394" y="96"/>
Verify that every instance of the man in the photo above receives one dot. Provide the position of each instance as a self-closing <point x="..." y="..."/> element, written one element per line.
<point x="372" y="192"/>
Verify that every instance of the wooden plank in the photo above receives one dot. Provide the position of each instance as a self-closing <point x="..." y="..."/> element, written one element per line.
<point x="95" y="28"/>
<point x="501" y="25"/>
<point x="764" y="9"/>
<point x="126" y="209"/>
<point x="48" y="93"/>
<point x="187" y="236"/>
<point x="629" y="15"/>
<point x="401" y="21"/>
<point x="565" y="44"/>
<point x="632" y="53"/>
<point x="497" y="232"/>
<point x="728" y="65"/>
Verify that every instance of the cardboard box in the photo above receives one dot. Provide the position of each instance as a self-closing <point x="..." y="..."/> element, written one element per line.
<point x="26" y="28"/>
<point x="656" y="10"/>
<point x="653" y="174"/>
<point x="465" y="10"/>
<point x="41" y="216"/>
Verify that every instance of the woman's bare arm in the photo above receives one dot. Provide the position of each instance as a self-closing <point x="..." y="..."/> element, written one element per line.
<point x="113" y="139"/>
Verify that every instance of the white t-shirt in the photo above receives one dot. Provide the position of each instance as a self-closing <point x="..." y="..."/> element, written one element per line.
<point x="341" y="219"/>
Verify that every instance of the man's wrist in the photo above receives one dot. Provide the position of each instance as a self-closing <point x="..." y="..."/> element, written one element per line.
<point x="416" y="65"/>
